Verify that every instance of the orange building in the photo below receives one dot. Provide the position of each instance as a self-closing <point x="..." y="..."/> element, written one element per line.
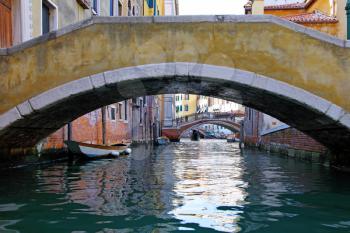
<point x="323" y="15"/>
<point x="327" y="16"/>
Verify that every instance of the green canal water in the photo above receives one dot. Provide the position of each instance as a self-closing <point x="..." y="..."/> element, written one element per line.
<point x="206" y="186"/>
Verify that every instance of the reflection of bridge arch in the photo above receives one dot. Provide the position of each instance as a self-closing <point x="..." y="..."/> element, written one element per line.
<point x="213" y="56"/>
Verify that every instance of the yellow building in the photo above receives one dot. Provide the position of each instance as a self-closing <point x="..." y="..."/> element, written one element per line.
<point x="322" y="15"/>
<point x="185" y="105"/>
<point x="153" y="7"/>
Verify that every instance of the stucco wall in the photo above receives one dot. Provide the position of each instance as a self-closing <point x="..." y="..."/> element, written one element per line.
<point x="70" y="12"/>
<point x="295" y="58"/>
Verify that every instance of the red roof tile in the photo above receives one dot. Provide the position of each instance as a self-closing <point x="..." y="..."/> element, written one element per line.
<point x="297" y="5"/>
<point x="315" y="17"/>
<point x="288" y="6"/>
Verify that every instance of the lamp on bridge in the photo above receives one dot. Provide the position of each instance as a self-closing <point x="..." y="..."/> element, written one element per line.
<point x="347" y="8"/>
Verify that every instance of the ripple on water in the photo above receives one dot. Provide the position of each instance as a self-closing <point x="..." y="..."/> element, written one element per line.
<point x="204" y="186"/>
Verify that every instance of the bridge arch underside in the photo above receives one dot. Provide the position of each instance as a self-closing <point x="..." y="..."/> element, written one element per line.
<point x="29" y="122"/>
<point x="233" y="127"/>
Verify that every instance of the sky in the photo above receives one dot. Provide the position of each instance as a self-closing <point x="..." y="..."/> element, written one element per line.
<point x="211" y="7"/>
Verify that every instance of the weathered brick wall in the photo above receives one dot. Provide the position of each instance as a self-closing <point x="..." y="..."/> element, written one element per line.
<point x="117" y="131"/>
<point x="294" y="139"/>
<point x="88" y="128"/>
<point x="251" y="140"/>
<point x="55" y="141"/>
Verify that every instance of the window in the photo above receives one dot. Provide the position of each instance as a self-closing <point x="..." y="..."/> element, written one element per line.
<point x="49" y="16"/>
<point x="187" y="97"/>
<point x="6" y="10"/>
<point x="120" y="9"/>
<point x="126" y="110"/>
<point x="150" y="3"/>
<point x="180" y="108"/>
<point x="177" y="108"/>
<point x="96" y="7"/>
<point x="129" y="8"/>
<point x="120" y="107"/>
<point x="111" y="7"/>
<point x="186" y="108"/>
<point x="45" y="18"/>
<point x="141" y="105"/>
<point x="113" y="118"/>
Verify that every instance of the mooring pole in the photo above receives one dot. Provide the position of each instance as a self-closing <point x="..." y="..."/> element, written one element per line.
<point x="103" y="113"/>
<point x="69" y="133"/>
<point x="347" y="8"/>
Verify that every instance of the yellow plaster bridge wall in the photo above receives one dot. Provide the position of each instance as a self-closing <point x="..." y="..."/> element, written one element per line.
<point x="264" y="46"/>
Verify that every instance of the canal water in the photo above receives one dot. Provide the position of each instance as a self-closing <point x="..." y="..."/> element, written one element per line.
<point x="206" y="186"/>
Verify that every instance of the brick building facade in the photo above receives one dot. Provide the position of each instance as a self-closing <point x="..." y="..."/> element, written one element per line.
<point x="276" y="136"/>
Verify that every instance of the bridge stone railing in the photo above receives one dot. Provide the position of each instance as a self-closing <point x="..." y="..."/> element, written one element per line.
<point x="228" y="116"/>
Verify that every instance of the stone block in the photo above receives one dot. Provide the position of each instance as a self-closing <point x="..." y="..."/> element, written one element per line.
<point x="74" y="27"/>
<point x="244" y="77"/>
<point x="9" y="117"/>
<point x="98" y="80"/>
<point x="324" y="37"/>
<point x="60" y="93"/>
<point x="140" y="72"/>
<point x="345" y="120"/>
<point x="30" y="43"/>
<point x="260" y="82"/>
<point x="335" y="112"/>
<point x="121" y="19"/>
<point x="286" y="23"/>
<point x="253" y="19"/>
<point x="185" y="19"/>
<point x="210" y="71"/>
<point x="347" y="43"/>
<point x="182" y="68"/>
<point x="25" y="108"/>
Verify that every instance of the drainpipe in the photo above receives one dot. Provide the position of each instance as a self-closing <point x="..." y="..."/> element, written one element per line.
<point x="70" y="132"/>
<point x="103" y="113"/>
<point x="347" y="8"/>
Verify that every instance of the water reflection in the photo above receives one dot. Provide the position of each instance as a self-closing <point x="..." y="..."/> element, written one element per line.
<point x="205" y="186"/>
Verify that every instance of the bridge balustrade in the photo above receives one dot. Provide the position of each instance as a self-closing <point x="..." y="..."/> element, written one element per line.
<point x="205" y="116"/>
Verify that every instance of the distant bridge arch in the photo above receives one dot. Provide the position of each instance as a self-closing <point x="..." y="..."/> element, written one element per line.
<point x="183" y="124"/>
<point x="227" y="125"/>
<point x="295" y="74"/>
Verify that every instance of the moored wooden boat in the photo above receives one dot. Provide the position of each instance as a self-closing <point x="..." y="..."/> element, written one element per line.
<point x="162" y="141"/>
<point x="231" y="138"/>
<point x="97" y="151"/>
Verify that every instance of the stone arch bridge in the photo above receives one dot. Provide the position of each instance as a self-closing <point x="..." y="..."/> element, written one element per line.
<point x="226" y="120"/>
<point x="293" y="73"/>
